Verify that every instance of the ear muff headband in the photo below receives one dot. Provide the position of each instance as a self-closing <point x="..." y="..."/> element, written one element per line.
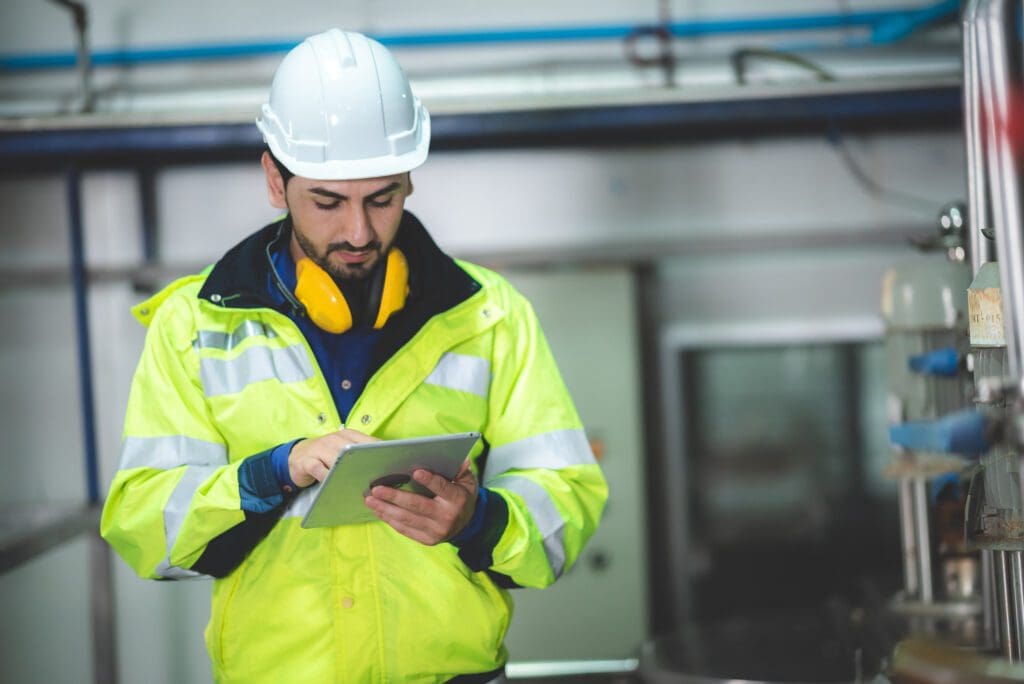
<point x="326" y="305"/>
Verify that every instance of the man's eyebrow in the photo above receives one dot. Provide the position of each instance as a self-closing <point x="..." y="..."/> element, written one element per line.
<point x="384" y="191"/>
<point x="324" y="192"/>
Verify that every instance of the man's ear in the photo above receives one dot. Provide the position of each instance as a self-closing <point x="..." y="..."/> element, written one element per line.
<point x="275" y="184"/>
<point x="408" y="180"/>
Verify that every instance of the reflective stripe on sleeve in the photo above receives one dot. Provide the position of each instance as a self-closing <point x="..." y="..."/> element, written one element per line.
<point x="558" y="449"/>
<point x="174" y="517"/>
<point x="212" y="339"/>
<point x="545" y="515"/>
<point x="164" y="453"/>
<point x="228" y="376"/>
<point x="462" y="372"/>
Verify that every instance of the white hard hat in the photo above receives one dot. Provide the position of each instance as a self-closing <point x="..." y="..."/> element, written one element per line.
<point x="341" y="109"/>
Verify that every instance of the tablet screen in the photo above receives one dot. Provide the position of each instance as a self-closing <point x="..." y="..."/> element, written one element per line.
<point x="360" y="467"/>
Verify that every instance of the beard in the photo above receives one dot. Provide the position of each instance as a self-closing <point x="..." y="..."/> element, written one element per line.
<point x="342" y="272"/>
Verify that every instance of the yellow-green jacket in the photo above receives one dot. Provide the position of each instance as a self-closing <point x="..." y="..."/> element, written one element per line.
<point x="226" y="376"/>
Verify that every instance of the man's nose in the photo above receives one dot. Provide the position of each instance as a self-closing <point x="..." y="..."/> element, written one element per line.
<point x="360" y="231"/>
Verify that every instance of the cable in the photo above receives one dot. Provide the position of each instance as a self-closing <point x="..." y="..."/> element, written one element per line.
<point x="874" y="188"/>
<point x="739" y="60"/>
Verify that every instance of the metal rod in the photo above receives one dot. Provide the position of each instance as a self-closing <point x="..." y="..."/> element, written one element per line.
<point x="73" y="182"/>
<point x="977" y="184"/>
<point x="1005" y="180"/>
<point x="1005" y="606"/>
<point x="924" y="547"/>
<point x="146" y="177"/>
<point x="101" y="600"/>
<point x="911" y="585"/>
<point x="675" y="485"/>
<point x="1017" y="594"/>
<point x="101" y="597"/>
<point x="989" y="610"/>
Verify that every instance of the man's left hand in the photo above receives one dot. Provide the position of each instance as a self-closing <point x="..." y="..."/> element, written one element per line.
<point x="428" y="521"/>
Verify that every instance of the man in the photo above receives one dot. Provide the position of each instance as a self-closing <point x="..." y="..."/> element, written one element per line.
<point x="343" y="323"/>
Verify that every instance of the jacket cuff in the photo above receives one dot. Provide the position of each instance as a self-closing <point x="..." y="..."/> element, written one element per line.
<point x="279" y="457"/>
<point x="476" y="552"/>
<point x="476" y="523"/>
<point x="258" y="487"/>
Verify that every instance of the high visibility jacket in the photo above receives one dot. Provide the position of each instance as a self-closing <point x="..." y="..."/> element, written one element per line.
<point x="226" y="376"/>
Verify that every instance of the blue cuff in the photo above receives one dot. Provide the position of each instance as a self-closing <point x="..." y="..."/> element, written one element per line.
<point x="258" y="487"/>
<point x="475" y="523"/>
<point x="279" y="459"/>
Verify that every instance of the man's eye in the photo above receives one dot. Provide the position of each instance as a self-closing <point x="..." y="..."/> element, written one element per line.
<point x="325" y="207"/>
<point x="381" y="204"/>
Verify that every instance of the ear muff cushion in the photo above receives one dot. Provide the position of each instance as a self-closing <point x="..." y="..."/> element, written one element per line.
<point x="325" y="305"/>
<point x="396" y="286"/>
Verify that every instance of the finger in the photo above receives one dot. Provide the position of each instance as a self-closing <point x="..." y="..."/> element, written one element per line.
<point x="403" y="520"/>
<point x="410" y="501"/>
<point x="421" y="536"/>
<point x="440" y="486"/>
<point x="463" y="469"/>
<point x="319" y="471"/>
<point x="329" y="458"/>
<point x="356" y="437"/>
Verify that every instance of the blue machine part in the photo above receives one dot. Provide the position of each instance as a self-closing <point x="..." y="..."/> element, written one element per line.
<point x="943" y="362"/>
<point x="967" y="433"/>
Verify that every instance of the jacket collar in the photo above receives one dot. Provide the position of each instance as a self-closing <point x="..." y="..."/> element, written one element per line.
<point x="243" y="279"/>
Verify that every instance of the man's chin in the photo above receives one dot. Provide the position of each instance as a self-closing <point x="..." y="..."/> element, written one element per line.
<point x="350" y="271"/>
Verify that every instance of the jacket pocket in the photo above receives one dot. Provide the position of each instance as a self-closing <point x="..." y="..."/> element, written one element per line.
<point x="224" y="591"/>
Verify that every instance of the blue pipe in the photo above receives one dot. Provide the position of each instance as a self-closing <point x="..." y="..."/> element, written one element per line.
<point x="886" y="26"/>
<point x="73" y="183"/>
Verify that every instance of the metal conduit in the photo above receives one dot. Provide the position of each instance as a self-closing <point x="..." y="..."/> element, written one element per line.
<point x="924" y="547"/>
<point x="977" y="185"/>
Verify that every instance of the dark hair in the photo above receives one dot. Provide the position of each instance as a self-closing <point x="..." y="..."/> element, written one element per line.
<point x="285" y="173"/>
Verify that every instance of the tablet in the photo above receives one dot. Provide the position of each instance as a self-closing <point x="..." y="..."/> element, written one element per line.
<point x="360" y="467"/>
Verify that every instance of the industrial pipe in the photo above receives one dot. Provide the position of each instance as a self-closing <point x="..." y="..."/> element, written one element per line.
<point x="977" y="185"/>
<point x="886" y="26"/>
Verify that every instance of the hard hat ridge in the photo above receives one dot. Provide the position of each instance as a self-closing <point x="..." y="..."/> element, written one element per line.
<point x="341" y="108"/>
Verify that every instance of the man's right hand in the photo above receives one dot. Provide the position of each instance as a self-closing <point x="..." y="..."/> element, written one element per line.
<point x="311" y="459"/>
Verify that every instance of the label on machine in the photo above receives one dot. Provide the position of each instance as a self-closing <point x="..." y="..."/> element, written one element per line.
<point x="985" y="310"/>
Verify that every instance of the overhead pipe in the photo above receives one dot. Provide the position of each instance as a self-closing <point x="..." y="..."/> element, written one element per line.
<point x="886" y="26"/>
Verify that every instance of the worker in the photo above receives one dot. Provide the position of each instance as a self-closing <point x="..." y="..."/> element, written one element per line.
<point x="340" y="323"/>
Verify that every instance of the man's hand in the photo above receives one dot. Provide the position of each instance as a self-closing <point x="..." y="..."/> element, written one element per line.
<point x="428" y="521"/>
<point x="311" y="459"/>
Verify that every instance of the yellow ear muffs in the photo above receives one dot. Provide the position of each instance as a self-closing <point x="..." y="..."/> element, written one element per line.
<point x="396" y="286"/>
<point x="325" y="305"/>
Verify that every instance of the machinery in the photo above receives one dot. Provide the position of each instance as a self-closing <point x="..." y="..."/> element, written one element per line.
<point x="924" y="304"/>
<point x="991" y="431"/>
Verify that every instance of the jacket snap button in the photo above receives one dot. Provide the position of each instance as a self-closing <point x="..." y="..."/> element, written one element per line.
<point x="215" y="298"/>
<point x="321" y="419"/>
<point x="144" y="311"/>
<point x="366" y="419"/>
